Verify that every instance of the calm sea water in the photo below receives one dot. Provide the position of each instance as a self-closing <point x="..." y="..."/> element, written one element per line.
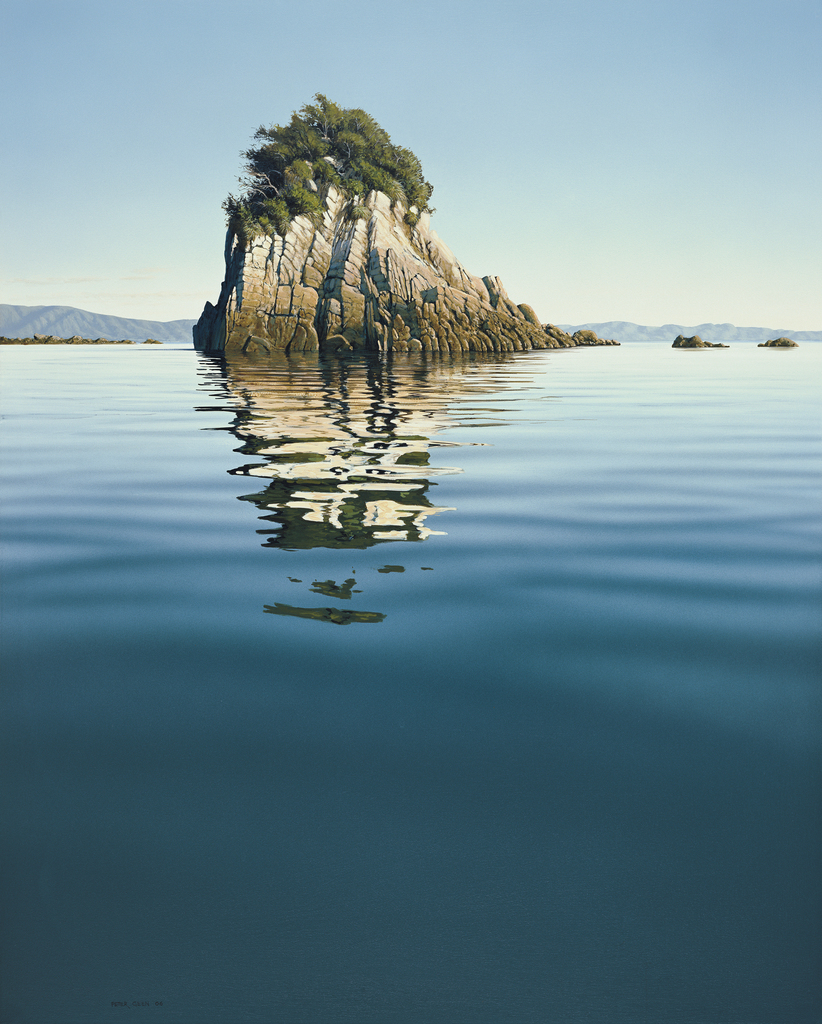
<point x="404" y="691"/>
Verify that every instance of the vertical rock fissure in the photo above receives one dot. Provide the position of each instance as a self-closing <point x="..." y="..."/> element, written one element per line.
<point x="345" y="282"/>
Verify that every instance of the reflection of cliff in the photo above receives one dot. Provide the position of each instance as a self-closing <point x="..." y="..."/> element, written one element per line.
<point x="344" y="449"/>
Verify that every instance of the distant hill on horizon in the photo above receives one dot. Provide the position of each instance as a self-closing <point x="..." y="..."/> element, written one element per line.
<point x="65" y="321"/>
<point x="628" y="332"/>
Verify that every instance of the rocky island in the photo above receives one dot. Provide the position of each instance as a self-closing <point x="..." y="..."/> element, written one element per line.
<point x="779" y="343"/>
<point x="330" y="248"/>
<point x="695" y="342"/>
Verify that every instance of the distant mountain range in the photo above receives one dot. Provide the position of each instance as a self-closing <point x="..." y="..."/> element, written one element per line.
<point x="65" y="321"/>
<point x="626" y="332"/>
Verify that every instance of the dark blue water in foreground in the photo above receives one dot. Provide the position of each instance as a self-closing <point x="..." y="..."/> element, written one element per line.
<point x="494" y="699"/>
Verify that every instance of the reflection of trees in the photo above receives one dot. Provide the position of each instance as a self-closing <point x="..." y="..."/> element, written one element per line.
<point x="339" y="616"/>
<point x="344" y="447"/>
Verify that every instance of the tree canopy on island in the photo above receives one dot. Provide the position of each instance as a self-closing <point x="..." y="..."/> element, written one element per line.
<point x="322" y="144"/>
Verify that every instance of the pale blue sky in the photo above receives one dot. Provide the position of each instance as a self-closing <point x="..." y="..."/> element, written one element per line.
<point x="649" y="161"/>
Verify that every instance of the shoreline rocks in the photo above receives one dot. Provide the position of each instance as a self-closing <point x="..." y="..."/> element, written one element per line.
<point x="50" y="339"/>
<point x="370" y="276"/>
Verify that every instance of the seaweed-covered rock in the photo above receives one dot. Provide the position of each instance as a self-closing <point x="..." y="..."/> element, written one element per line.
<point x="695" y="342"/>
<point x="779" y="343"/>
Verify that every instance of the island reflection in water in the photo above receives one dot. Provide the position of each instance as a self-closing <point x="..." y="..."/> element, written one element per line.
<point x="344" y="448"/>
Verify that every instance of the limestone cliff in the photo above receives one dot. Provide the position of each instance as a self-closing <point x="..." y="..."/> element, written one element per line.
<point x="375" y="282"/>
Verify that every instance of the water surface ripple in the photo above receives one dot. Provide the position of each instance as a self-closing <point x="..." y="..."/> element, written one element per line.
<point x="457" y="690"/>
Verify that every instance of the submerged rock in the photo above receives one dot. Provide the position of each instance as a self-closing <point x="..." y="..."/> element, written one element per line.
<point x="779" y="343"/>
<point x="695" y="342"/>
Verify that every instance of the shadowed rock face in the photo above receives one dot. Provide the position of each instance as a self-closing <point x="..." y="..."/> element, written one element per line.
<point x="779" y="343"/>
<point x="695" y="342"/>
<point x="368" y="283"/>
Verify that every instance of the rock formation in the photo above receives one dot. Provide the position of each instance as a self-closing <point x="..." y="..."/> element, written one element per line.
<point x="695" y="342"/>
<point x="779" y="343"/>
<point x="373" y="281"/>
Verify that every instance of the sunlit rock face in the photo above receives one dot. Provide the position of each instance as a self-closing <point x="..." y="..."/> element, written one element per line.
<point x="372" y="282"/>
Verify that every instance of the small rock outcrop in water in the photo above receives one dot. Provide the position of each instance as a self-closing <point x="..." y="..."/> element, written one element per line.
<point x="695" y="342"/>
<point x="360" y="270"/>
<point x="779" y="343"/>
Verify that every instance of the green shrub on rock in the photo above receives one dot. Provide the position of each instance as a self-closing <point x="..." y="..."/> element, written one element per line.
<point x="324" y="144"/>
<point x="324" y="171"/>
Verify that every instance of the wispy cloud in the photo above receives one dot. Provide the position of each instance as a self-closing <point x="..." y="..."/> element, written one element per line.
<point x="38" y="281"/>
<point x="138" y="274"/>
<point x="144" y="274"/>
<point x="142" y="296"/>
